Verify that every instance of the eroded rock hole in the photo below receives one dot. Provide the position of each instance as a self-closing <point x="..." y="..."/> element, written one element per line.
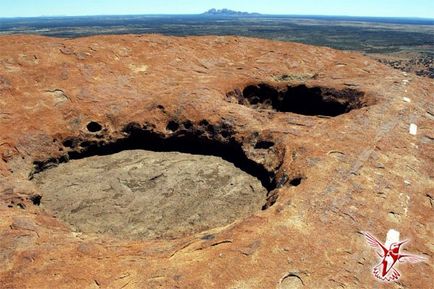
<point x="296" y="181"/>
<point x="152" y="185"/>
<point x="69" y="143"/>
<point x="264" y="144"/>
<point x="94" y="126"/>
<point x="300" y="99"/>
<point x="172" y="126"/>
<point x="35" y="199"/>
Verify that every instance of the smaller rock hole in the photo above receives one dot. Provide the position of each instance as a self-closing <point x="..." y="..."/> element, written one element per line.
<point x="68" y="143"/>
<point x="36" y="199"/>
<point x="225" y="134"/>
<point x="264" y="144"/>
<point x="172" y="126"/>
<point x="296" y="181"/>
<point x="210" y="129"/>
<point x="204" y="122"/>
<point x="94" y="126"/>
<point x="187" y="124"/>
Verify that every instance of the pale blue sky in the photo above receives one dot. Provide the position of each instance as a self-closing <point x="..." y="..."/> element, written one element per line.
<point x="390" y="8"/>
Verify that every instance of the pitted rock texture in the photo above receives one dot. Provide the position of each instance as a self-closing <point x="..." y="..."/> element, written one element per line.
<point x="361" y="170"/>
<point x="142" y="195"/>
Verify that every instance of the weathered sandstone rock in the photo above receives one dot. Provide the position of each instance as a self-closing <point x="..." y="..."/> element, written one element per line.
<point x="326" y="132"/>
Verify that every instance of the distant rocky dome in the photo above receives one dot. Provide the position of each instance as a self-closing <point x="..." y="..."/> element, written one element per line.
<point x="228" y="12"/>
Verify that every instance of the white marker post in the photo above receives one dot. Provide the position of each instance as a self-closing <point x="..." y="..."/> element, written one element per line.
<point x="413" y="129"/>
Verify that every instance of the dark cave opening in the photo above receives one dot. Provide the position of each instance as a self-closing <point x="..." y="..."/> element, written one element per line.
<point x="300" y="99"/>
<point x="185" y="137"/>
<point x="93" y="126"/>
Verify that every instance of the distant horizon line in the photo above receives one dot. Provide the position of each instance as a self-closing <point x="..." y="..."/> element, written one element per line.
<point x="204" y="13"/>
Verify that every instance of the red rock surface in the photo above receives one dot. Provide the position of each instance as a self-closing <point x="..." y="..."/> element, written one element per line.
<point x="362" y="170"/>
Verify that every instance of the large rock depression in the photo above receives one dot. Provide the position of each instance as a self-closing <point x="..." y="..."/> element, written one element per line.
<point x="145" y="194"/>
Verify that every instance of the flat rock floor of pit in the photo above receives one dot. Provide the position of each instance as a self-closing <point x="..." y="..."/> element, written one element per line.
<point x="140" y="194"/>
